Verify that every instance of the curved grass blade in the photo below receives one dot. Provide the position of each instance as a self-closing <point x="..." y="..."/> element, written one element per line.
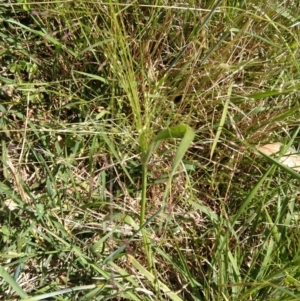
<point x="179" y="131"/>
<point x="173" y="296"/>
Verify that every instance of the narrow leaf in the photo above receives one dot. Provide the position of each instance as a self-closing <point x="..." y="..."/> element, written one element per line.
<point x="15" y="286"/>
<point x="173" y="296"/>
<point x="223" y="118"/>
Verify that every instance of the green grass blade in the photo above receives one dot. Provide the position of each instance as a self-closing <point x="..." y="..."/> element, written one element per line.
<point x="60" y="292"/>
<point x="222" y="121"/>
<point x="93" y="76"/>
<point x="185" y="143"/>
<point x="173" y="296"/>
<point x="180" y="131"/>
<point x="289" y="170"/>
<point x="14" y="285"/>
<point x="42" y="34"/>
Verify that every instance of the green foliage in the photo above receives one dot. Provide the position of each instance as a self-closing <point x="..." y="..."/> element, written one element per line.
<point x="129" y="135"/>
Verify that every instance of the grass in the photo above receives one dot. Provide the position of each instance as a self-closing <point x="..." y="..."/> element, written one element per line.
<point x="129" y="168"/>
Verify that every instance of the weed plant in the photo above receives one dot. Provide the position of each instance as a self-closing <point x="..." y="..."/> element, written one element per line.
<point x="129" y="168"/>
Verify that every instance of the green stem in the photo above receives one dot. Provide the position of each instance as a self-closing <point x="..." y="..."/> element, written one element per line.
<point x="144" y="190"/>
<point x="146" y="240"/>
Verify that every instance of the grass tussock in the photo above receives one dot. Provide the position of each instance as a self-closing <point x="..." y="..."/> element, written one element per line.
<point x="129" y="168"/>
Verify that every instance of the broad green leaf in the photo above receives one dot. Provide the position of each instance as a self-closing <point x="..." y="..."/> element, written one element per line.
<point x="173" y="132"/>
<point x="179" y="131"/>
<point x="188" y="137"/>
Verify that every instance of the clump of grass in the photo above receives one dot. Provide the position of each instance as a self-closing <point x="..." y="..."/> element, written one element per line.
<point x="97" y="201"/>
